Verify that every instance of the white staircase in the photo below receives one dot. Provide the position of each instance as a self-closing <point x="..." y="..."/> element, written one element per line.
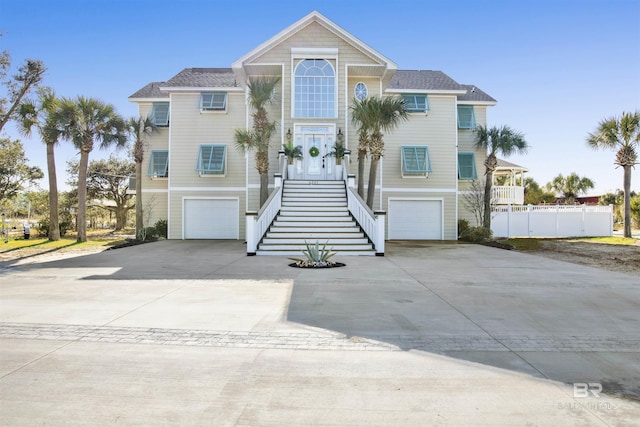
<point x="314" y="211"/>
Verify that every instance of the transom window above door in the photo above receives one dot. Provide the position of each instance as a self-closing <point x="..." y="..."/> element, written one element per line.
<point x="314" y="89"/>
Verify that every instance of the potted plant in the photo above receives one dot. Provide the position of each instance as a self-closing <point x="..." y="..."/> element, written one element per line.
<point x="292" y="152"/>
<point x="338" y="152"/>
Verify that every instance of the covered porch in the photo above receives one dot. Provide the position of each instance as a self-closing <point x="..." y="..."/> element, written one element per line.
<point x="508" y="184"/>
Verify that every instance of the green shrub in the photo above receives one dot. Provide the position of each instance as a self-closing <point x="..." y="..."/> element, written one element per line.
<point x="43" y="227"/>
<point x="475" y="234"/>
<point x="463" y="227"/>
<point x="161" y="227"/>
<point x="150" y="233"/>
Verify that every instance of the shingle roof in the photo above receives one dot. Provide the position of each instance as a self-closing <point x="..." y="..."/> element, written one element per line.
<point x="152" y="90"/>
<point x="203" y="77"/>
<point x="508" y="165"/>
<point x="475" y="94"/>
<point x="423" y="80"/>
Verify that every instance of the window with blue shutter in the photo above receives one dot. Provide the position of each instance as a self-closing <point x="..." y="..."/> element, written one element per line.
<point x="467" y="166"/>
<point x="160" y="113"/>
<point x="415" y="160"/>
<point x="416" y="103"/>
<point x="213" y="101"/>
<point x="159" y="164"/>
<point x="211" y="159"/>
<point x="466" y="117"/>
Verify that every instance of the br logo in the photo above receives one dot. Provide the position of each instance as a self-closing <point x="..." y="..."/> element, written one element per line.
<point x="583" y="389"/>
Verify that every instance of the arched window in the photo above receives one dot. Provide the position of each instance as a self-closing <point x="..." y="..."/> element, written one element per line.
<point x="314" y="89"/>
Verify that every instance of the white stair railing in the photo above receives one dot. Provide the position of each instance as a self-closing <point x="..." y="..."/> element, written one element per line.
<point x="257" y="223"/>
<point x="372" y="223"/>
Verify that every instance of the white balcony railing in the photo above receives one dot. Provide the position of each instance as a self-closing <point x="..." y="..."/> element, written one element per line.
<point x="507" y="195"/>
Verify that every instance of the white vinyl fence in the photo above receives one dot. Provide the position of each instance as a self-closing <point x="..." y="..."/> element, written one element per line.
<point x="552" y="221"/>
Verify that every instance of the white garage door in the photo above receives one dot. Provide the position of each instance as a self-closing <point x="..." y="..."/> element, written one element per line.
<point x="415" y="219"/>
<point x="211" y="218"/>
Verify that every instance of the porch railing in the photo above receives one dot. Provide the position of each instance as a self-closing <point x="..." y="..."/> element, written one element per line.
<point x="507" y="194"/>
<point x="257" y="223"/>
<point x="372" y="223"/>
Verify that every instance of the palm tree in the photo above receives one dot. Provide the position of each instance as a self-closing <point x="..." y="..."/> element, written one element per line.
<point x="623" y="134"/>
<point x="260" y="95"/>
<point x="140" y="129"/>
<point x="41" y="116"/>
<point x="496" y="140"/>
<point x="385" y="114"/>
<point x="570" y="186"/>
<point x="361" y="116"/>
<point x="86" y="121"/>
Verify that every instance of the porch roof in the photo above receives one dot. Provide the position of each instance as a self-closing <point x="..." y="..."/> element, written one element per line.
<point x="505" y="167"/>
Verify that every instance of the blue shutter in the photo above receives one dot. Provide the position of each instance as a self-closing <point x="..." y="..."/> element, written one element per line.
<point x="416" y="160"/>
<point x="160" y="113"/>
<point x="213" y="101"/>
<point x="466" y="117"/>
<point x="467" y="166"/>
<point x="416" y="103"/>
<point x="159" y="164"/>
<point x="211" y="159"/>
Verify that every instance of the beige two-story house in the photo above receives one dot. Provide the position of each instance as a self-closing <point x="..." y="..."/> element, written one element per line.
<point x="208" y="189"/>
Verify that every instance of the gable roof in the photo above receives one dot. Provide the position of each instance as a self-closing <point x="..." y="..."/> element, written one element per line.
<point x="151" y="92"/>
<point x="475" y="95"/>
<point x="210" y="78"/>
<point x="504" y="165"/>
<point x="423" y="80"/>
<point x="312" y="17"/>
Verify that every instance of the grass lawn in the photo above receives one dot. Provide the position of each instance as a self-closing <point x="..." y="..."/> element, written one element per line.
<point x="534" y="244"/>
<point x="37" y="244"/>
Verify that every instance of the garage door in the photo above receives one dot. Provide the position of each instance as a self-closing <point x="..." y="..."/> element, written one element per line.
<point x="415" y="219"/>
<point x="211" y="218"/>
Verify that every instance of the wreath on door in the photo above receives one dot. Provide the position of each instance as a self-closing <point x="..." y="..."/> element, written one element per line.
<point x="313" y="151"/>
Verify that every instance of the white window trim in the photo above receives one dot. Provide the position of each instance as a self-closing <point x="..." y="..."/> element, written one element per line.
<point x="329" y="54"/>
<point x="224" y="165"/>
<point x="419" y="175"/>
<point x="211" y="111"/>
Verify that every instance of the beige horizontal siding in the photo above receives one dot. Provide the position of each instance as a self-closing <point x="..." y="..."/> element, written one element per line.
<point x="437" y="130"/>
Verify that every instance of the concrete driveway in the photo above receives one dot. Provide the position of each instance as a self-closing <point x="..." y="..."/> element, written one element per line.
<point x="197" y="333"/>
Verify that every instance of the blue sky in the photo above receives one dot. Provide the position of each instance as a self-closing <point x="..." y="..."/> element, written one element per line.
<point x="556" y="67"/>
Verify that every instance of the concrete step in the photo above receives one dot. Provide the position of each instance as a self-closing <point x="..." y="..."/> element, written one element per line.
<point x="327" y="227"/>
<point x="303" y="240"/>
<point x="299" y="254"/>
<point x="318" y="204"/>
<point x="316" y="235"/>
<point x="301" y="247"/>
<point x="330" y="215"/>
<point x="308" y="192"/>
<point x="315" y="222"/>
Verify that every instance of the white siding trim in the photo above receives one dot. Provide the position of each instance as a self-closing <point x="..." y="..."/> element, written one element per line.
<point x="169" y="167"/>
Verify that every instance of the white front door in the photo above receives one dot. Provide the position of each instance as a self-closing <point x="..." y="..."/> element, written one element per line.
<point x="317" y="143"/>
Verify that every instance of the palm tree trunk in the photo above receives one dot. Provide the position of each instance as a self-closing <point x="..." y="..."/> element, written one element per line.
<point x="627" y="200"/>
<point x="361" y="161"/>
<point x="139" y="214"/>
<point x="486" y="220"/>
<point x="82" y="196"/>
<point x="264" y="188"/>
<point x="54" y="218"/>
<point x="373" y="175"/>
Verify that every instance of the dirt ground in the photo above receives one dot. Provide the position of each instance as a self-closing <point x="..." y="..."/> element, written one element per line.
<point x="621" y="258"/>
